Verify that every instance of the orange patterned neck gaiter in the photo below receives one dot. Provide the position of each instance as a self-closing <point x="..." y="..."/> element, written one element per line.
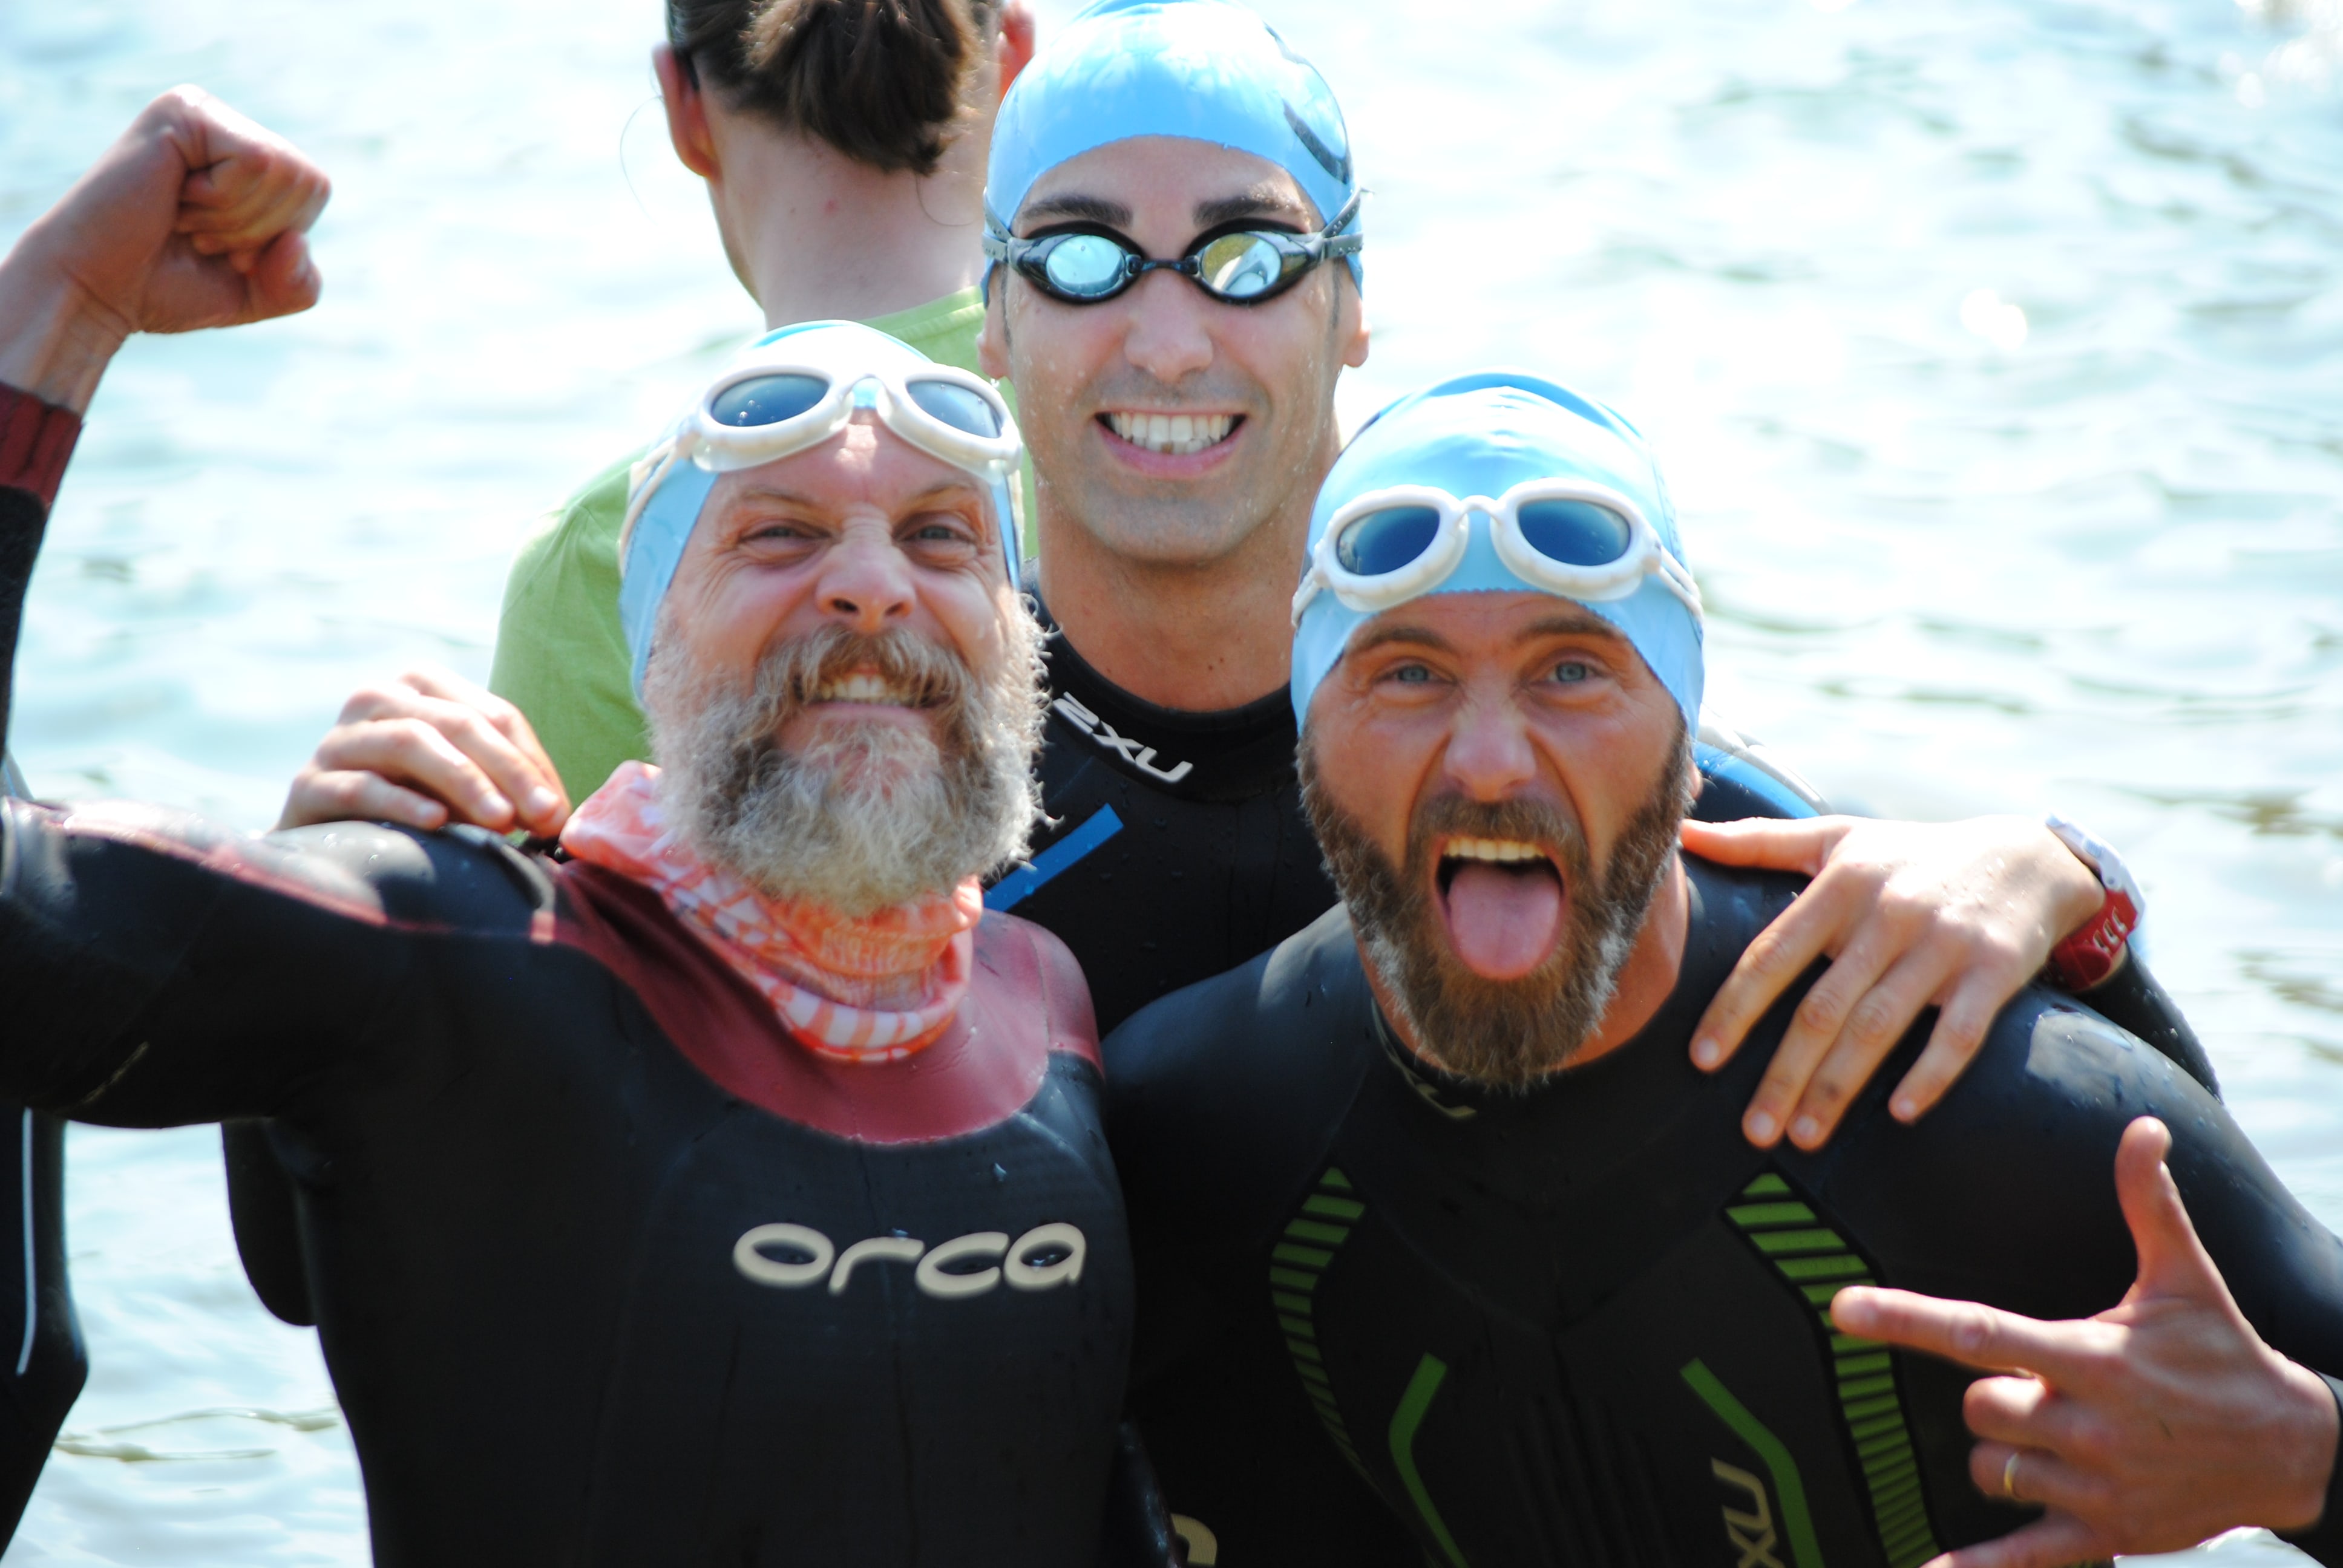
<point x="870" y="989"/>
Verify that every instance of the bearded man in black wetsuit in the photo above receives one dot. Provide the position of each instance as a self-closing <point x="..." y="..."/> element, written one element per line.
<point x="1472" y="1227"/>
<point x="741" y="1155"/>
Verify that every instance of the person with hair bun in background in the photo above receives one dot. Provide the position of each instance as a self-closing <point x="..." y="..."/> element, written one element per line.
<point x="844" y="144"/>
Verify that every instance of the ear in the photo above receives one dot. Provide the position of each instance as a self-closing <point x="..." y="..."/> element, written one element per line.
<point x="686" y="113"/>
<point x="1350" y="327"/>
<point x="992" y="337"/>
<point x="1014" y="51"/>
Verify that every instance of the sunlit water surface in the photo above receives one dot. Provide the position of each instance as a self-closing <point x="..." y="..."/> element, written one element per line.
<point x="1995" y="348"/>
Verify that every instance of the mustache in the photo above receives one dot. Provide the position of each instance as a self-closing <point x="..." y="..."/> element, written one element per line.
<point x="1540" y="822"/>
<point x="792" y="672"/>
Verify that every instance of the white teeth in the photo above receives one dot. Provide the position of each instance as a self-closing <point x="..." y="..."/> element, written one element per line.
<point x="862" y="686"/>
<point x="1498" y="849"/>
<point x="1176" y="434"/>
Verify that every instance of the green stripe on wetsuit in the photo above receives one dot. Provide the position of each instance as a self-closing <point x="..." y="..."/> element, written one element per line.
<point x="1818" y="1263"/>
<point x="1310" y="1238"/>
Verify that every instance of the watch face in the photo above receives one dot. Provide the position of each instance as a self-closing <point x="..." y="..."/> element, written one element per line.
<point x="2103" y="860"/>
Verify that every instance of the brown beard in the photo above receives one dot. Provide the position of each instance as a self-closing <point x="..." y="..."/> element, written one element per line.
<point x="1508" y="1033"/>
<point x="870" y="818"/>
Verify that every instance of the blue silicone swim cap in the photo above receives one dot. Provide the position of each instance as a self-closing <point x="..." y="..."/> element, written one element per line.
<point x="651" y="548"/>
<point x="1209" y="70"/>
<point x="1481" y="435"/>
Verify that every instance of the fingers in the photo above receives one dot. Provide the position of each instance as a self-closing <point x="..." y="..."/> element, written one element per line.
<point x="245" y="184"/>
<point x="2052" y="1542"/>
<point x="1969" y="1333"/>
<point x="419" y="755"/>
<point x="519" y="766"/>
<point x="281" y="280"/>
<point x="1768" y="966"/>
<point x="1959" y="1035"/>
<point x="2172" y="1260"/>
<point x="345" y="795"/>
<point x="2039" y="1478"/>
<point x="438" y="732"/>
<point x="1779" y="846"/>
<point x="1873" y="1027"/>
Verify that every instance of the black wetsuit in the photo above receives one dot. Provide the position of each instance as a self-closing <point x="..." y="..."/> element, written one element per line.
<point x="42" y="1362"/>
<point x="607" y="1270"/>
<point x="1583" y="1325"/>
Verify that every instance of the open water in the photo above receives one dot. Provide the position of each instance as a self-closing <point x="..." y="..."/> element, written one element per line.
<point x="1995" y="348"/>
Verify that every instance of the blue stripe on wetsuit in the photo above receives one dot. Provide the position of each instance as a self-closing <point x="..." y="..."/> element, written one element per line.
<point x="1031" y="878"/>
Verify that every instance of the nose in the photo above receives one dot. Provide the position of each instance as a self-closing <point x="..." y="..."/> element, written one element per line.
<point x="1170" y="337"/>
<point x="1489" y="757"/>
<point x="866" y="583"/>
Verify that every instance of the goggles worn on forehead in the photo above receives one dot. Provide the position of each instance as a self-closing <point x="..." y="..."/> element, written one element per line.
<point x="1568" y="536"/>
<point x="1239" y="266"/>
<point x="761" y="413"/>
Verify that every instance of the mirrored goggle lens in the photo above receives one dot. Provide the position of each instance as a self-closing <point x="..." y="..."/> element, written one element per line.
<point x="961" y="408"/>
<point x="1241" y="265"/>
<point x="1086" y="264"/>
<point x="766" y="399"/>
<point x="1383" y="542"/>
<point x="1575" y="533"/>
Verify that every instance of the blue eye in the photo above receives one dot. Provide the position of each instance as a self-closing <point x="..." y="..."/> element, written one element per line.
<point x="1415" y="674"/>
<point x="1570" y="671"/>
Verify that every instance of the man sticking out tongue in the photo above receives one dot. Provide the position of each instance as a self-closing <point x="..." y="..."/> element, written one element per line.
<point x="1474" y="1229"/>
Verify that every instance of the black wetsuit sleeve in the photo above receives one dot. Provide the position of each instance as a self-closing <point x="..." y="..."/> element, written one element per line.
<point x="155" y="977"/>
<point x="23" y="520"/>
<point x="2324" y="1540"/>
<point x="2005" y="1193"/>
<point x="2131" y="999"/>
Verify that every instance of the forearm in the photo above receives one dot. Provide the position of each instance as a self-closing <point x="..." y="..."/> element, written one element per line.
<point x="56" y="339"/>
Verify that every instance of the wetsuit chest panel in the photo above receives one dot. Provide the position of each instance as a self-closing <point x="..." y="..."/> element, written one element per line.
<point x="1691" y="1419"/>
<point x="935" y="1330"/>
<point x="1179" y="847"/>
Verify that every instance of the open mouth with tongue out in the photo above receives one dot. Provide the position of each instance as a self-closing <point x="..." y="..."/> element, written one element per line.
<point x="1503" y="900"/>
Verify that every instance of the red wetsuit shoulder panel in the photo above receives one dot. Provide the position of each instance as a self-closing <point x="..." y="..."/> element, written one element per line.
<point x="1065" y="992"/>
<point x="985" y="1068"/>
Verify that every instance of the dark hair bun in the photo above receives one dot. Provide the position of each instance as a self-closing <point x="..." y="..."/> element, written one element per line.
<point x="884" y="81"/>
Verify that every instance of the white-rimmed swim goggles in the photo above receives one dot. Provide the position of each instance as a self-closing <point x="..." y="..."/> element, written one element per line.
<point x="1571" y="536"/>
<point x="787" y="393"/>
<point x="761" y="413"/>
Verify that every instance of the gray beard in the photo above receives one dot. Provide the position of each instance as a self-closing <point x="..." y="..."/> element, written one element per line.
<point x="869" y="819"/>
<point x="1505" y="1033"/>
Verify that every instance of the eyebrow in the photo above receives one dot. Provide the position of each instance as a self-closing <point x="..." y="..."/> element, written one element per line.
<point x="817" y="504"/>
<point x="1085" y="208"/>
<point x="1263" y="200"/>
<point x="1575" y="623"/>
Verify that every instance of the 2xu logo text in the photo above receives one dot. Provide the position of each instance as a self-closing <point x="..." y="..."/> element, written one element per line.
<point x="1041" y="1258"/>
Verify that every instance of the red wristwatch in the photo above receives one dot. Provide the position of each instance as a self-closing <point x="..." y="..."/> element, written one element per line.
<point x="35" y="439"/>
<point x="2090" y="955"/>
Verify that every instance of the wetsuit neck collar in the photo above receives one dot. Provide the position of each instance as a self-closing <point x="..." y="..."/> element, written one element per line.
<point x="837" y="984"/>
<point x="1227" y="754"/>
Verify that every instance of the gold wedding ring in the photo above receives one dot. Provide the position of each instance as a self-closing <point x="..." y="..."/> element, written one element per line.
<point x="2010" y="1475"/>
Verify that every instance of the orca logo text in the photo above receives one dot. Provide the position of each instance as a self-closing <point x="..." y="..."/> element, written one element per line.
<point x="1041" y="1258"/>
